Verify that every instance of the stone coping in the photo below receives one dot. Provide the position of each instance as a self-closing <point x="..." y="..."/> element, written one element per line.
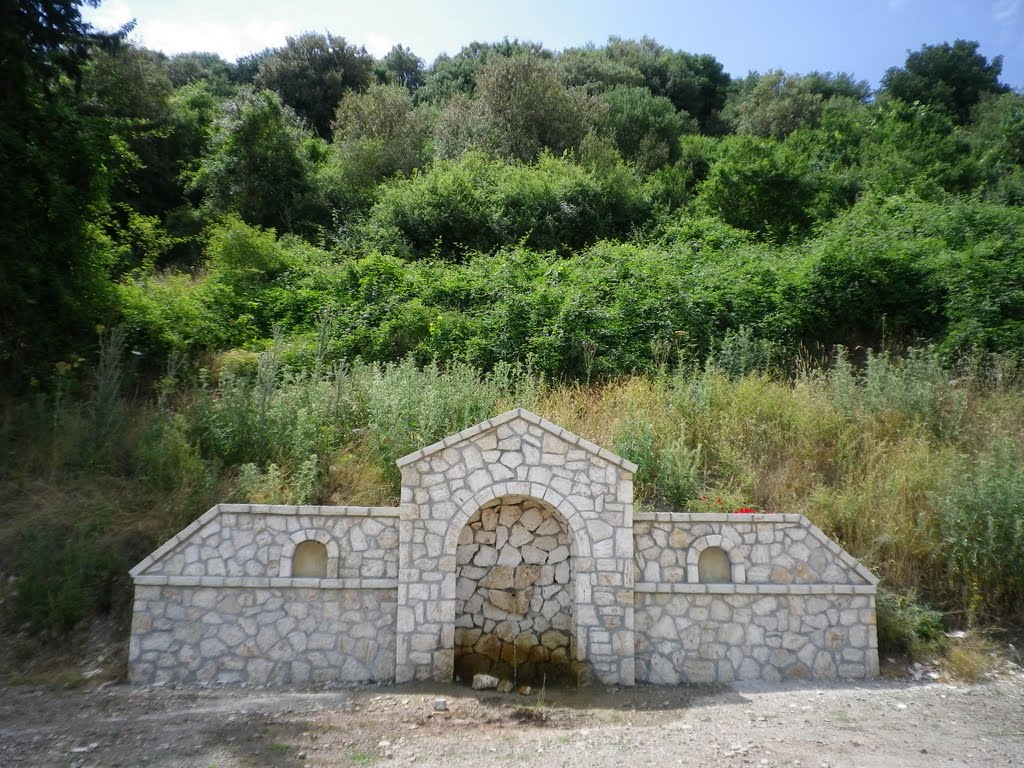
<point x="716" y="517"/>
<point x="310" y="509"/>
<point x="532" y="418"/>
<point x="258" y="509"/>
<point x="754" y="589"/>
<point x="762" y="518"/>
<point x="264" y="582"/>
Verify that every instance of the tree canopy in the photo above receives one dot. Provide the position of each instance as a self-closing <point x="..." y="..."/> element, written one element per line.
<point x="130" y="171"/>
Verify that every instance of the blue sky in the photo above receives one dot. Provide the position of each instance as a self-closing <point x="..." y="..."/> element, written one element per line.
<point x="862" y="37"/>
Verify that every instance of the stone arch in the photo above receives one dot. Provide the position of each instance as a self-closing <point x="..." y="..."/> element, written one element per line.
<point x="468" y="507"/>
<point x="739" y="571"/>
<point x="310" y="534"/>
<point x="515" y="600"/>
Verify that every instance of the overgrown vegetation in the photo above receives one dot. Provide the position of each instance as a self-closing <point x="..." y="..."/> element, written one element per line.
<point x="317" y="262"/>
<point x="913" y="467"/>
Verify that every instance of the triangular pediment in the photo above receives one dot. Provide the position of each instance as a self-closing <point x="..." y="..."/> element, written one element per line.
<point x="521" y="414"/>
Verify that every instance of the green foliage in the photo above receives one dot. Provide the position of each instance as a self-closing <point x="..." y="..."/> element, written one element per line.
<point x="950" y="78"/>
<point x="379" y="133"/>
<point x="776" y="104"/>
<point x="997" y="139"/>
<point x="259" y="164"/>
<point x="915" y="148"/>
<point x="696" y="84"/>
<point x="905" y="625"/>
<point x="979" y="534"/>
<point x="311" y="74"/>
<point x="525" y="108"/>
<point x="186" y="68"/>
<point x="645" y="128"/>
<point x="402" y="67"/>
<point x="54" y="274"/>
<point x="67" y="575"/>
<point x="477" y="204"/>
<point x="755" y="186"/>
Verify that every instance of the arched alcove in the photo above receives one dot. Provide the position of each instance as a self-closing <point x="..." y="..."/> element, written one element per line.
<point x="310" y="560"/>
<point x="515" y="594"/>
<point x="310" y="553"/>
<point x="713" y="566"/>
<point x="710" y="560"/>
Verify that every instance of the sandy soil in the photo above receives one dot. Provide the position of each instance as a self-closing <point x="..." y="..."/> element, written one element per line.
<point x="881" y="723"/>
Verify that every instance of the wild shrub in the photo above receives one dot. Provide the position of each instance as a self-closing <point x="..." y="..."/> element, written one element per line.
<point x="978" y="542"/>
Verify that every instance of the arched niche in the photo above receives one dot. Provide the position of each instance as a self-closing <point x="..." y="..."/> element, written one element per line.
<point x="514" y="600"/>
<point x="301" y="555"/>
<point x="716" y="547"/>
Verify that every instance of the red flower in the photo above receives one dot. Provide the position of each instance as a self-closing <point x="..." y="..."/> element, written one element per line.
<point x="745" y="511"/>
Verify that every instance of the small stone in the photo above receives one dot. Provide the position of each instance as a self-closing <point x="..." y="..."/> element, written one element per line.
<point x="505" y="686"/>
<point x="483" y="682"/>
<point x="440" y="705"/>
<point x="524" y="690"/>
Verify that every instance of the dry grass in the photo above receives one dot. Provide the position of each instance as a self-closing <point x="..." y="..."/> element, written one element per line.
<point x="872" y="460"/>
<point x="972" y="657"/>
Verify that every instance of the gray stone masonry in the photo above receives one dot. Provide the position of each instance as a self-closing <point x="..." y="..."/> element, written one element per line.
<point x="517" y="454"/>
<point x="514" y="552"/>
<point x="513" y="594"/>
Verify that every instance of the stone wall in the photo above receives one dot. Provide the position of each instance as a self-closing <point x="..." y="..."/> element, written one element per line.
<point x="797" y="605"/>
<point x="250" y="539"/>
<point x="217" y="602"/>
<point x="769" y="549"/>
<point x="705" y="638"/>
<point x="513" y="594"/>
<point x="277" y="635"/>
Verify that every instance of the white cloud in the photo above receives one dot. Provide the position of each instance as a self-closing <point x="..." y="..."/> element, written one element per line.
<point x="109" y="16"/>
<point x="229" y="40"/>
<point x="378" y="45"/>
<point x="1006" y="12"/>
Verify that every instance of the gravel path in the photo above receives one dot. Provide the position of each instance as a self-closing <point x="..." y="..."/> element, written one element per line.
<point x="883" y="723"/>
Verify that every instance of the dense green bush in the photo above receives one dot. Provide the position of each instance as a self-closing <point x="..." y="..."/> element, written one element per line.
<point x="478" y="204"/>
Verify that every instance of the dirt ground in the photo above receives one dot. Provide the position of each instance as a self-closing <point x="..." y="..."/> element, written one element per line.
<point x="880" y="723"/>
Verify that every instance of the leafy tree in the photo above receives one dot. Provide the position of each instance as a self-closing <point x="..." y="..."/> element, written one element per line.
<point x="247" y="67"/>
<point x="695" y="83"/>
<point x="459" y="127"/>
<point x="914" y="147"/>
<point x="526" y="108"/>
<point x="126" y="82"/>
<point x="838" y="86"/>
<point x="381" y="130"/>
<point x="257" y="165"/>
<point x="311" y="74"/>
<point x="53" y="260"/>
<point x="997" y="141"/>
<point x="645" y="128"/>
<point x="185" y="68"/>
<point x="448" y="77"/>
<point x="480" y="203"/>
<point x="402" y="67"/>
<point x="591" y="69"/>
<point x="951" y="78"/>
<point x="775" y="104"/>
<point x="452" y="75"/>
<point x="126" y="91"/>
<point x="756" y="186"/>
